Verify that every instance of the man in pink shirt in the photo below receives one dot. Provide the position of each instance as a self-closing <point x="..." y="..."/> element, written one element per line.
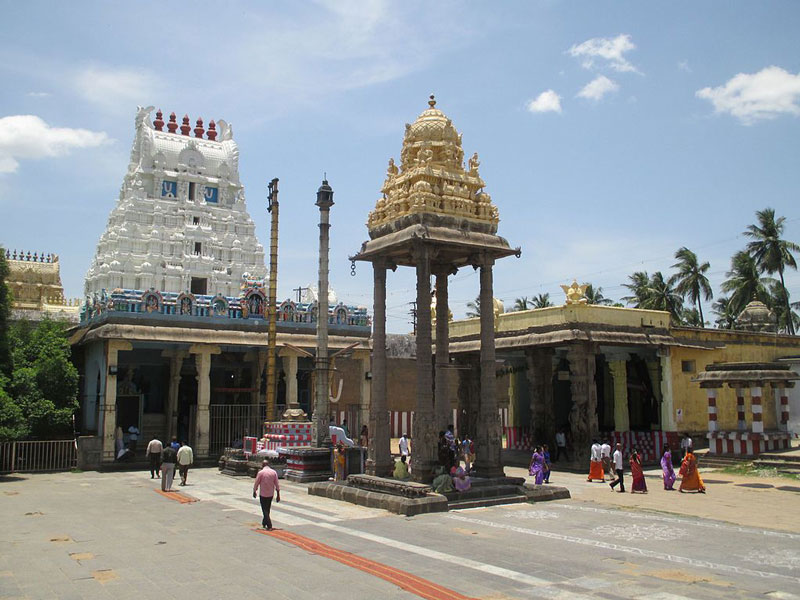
<point x="266" y="486"/>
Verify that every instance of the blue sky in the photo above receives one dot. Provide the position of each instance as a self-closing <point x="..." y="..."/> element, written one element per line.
<point x="610" y="134"/>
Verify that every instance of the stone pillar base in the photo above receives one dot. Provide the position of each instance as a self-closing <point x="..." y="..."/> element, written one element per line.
<point x="306" y="464"/>
<point x="379" y="470"/>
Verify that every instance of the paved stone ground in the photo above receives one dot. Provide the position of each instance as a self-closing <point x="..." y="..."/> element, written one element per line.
<point x="102" y="535"/>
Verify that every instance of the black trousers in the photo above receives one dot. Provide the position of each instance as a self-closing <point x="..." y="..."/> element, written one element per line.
<point x="559" y="451"/>
<point x="266" y="504"/>
<point x="155" y="465"/>
<point x="619" y="480"/>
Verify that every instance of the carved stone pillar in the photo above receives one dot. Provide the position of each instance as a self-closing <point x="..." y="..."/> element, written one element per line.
<point x="289" y="359"/>
<point x="667" y="411"/>
<point x="583" y="415"/>
<point x="108" y="408"/>
<point x="654" y="370"/>
<point x="444" y="414"/>
<point x="618" y="365"/>
<point x="379" y="459"/>
<point x="756" y="407"/>
<point x="175" y="365"/>
<point x="424" y="457"/>
<point x="364" y="392"/>
<point x="202" y="359"/>
<point x="489" y="434"/>
<point x="540" y="382"/>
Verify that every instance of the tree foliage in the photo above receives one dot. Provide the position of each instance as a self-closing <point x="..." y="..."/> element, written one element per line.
<point x="594" y="295"/>
<point x="690" y="281"/>
<point x="541" y="301"/>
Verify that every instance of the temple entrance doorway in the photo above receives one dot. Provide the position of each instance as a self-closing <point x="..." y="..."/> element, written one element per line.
<point x="187" y="408"/>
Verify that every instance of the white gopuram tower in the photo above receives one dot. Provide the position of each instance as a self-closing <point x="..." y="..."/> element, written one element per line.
<point x="180" y="224"/>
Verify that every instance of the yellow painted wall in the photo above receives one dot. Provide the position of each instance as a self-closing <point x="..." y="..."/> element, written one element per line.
<point x="739" y="346"/>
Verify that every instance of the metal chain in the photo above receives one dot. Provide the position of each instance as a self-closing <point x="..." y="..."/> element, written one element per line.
<point x="352" y="268"/>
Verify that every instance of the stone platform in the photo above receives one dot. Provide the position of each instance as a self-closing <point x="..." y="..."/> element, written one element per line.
<point x="409" y="498"/>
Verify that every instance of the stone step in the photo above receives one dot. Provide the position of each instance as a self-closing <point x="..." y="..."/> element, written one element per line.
<point x="788" y="458"/>
<point x="483" y="502"/>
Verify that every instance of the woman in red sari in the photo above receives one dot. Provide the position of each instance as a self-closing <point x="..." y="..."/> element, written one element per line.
<point x="639" y="484"/>
<point x="690" y="476"/>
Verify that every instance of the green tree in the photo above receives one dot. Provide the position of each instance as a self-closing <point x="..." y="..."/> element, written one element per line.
<point x="690" y="281"/>
<point x="522" y="303"/>
<point x="44" y="384"/>
<point x="594" y="295"/>
<point x="726" y="316"/>
<point x="690" y="317"/>
<point x="779" y="303"/>
<point x="772" y="254"/>
<point x="474" y="308"/>
<point x="640" y="287"/>
<point x="5" y="311"/>
<point x="744" y="283"/>
<point x="662" y="296"/>
<point x="541" y="301"/>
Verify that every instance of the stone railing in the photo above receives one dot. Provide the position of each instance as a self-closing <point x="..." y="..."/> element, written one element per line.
<point x="28" y="257"/>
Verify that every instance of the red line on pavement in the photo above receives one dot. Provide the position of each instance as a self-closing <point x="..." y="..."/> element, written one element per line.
<point x="182" y="498"/>
<point x="402" y="579"/>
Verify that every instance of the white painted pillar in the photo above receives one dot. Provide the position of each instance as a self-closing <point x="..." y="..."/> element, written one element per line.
<point x="667" y="408"/>
<point x="756" y="407"/>
<point x="108" y="409"/>
<point x="203" y="355"/>
<point x="711" y="393"/>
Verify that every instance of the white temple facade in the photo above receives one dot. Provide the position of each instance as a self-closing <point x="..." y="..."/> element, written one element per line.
<point x="180" y="224"/>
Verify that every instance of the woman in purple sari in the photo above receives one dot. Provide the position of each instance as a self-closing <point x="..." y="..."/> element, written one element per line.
<point x="536" y="467"/>
<point x="666" y="467"/>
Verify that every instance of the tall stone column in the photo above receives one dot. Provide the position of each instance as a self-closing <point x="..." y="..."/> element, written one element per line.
<point x="667" y="408"/>
<point x="175" y="365"/>
<point x="322" y="404"/>
<point x="711" y="394"/>
<point x="289" y="359"/>
<point x="489" y="434"/>
<point x="618" y="365"/>
<point x="379" y="459"/>
<point x="444" y="414"/>
<point x="424" y="457"/>
<point x="654" y="370"/>
<point x="108" y="407"/>
<point x="364" y="392"/>
<point x="540" y="381"/>
<point x="583" y="416"/>
<point x="758" y="413"/>
<point x="202" y="359"/>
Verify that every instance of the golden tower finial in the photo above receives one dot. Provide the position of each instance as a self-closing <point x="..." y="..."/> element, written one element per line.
<point x="432" y="101"/>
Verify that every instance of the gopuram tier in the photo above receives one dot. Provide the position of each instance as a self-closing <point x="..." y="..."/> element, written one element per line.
<point x="180" y="223"/>
<point x="435" y="216"/>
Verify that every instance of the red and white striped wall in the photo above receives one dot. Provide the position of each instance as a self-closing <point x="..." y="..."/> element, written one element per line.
<point x="745" y="443"/>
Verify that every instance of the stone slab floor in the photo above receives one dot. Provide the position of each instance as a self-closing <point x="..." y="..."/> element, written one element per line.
<point x="103" y="535"/>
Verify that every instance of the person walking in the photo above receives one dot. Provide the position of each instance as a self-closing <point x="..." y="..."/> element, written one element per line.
<point x="605" y="458"/>
<point x="168" y="458"/>
<point x="546" y="463"/>
<point x="686" y="444"/>
<point x="403" y="446"/>
<point x="363" y="438"/>
<point x="536" y="468"/>
<point x="596" y="464"/>
<point x="465" y="447"/>
<point x="637" y="473"/>
<point x="154" y="449"/>
<point x="620" y="470"/>
<point x="690" y="476"/>
<point x="185" y="459"/>
<point x="265" y="488"/>
<point x="667" y="470"/>
<point x="133" y="437"/>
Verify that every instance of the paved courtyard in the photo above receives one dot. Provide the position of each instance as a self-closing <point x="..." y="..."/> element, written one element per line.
<point x="104" y="535"/>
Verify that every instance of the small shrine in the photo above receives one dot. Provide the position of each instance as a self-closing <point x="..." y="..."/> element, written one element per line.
<point x="767" y="384"/>
<point x="34" y="280"/>
<point x="433" y="215"/>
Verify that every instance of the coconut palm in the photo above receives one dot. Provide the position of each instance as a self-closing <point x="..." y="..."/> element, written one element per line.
<point x="662" y="296"/>
<point x="771" y="253"/>
<point x="690" y="280"/>
<point x="594" y="295"/>
<point x="474" y="308"/>
<point x="726" y="317"/>
<point x="778" y="303"/>
<point x="522" y="303"/>
<point x="690" y="317"/>
<point x="541" y="301"/>
<point x="639" y="285"/>
<point x="744" y="283"/>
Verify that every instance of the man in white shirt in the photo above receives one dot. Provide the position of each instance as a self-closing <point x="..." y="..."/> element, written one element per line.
<point x="686" y="444"/>
<point x="561" y="445"/>
<point x="605" y="457"/>
<point x="154" y="449"/>
<point x="403" y="446"/>
<point x="596" y="464"/>
<point x="618" y="466"/>
<point x="185" y="460"/>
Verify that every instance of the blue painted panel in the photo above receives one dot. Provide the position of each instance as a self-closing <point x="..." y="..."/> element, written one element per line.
<point x="211" y="195"/>
<point x="169" y="189"/>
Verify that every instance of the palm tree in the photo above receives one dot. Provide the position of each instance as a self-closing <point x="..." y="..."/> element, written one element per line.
<point x="690" y="280"/>
<point x="690" y="317"/>
<point x="744" y="282"/>
<point x="541" y="301"/>
<point x="726" y="316"/>
<point x="474" y="308"/>
<point x="771" y="253"/>
<point x="595" y="295"/>
<point x="522" y="303"/>
<point x="662" y="296"/>
<point x="639" y="285"/>
<point x="778" y="303"/>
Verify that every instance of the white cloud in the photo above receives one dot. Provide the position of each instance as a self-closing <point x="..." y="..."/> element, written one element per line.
<point x="547" y="101"/>
<point x="28" y="136"/>
<point x="598" y="87"/>
<point x="754" y="96"/>
<point x="38" y="94"/>
<point x="116" y="90"/>
<point x="684" y="66"/>
<point x="610" y="50"/>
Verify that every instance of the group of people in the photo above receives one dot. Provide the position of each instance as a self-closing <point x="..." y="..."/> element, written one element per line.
<point x="457" y="479"/>
<point x="540" y="464"/>
<point x="601" y="463"/>
<point x="164" y="459"/>
<point x="452" y="450"/>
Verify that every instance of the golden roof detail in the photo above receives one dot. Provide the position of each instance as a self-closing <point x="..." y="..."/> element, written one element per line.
<point x="432" y="179"/>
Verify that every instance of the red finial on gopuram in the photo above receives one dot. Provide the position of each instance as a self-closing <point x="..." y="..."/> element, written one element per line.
<point x="212" y="130"/>
<point x="185" y="127"/>
<point x="198" y="129"/>
<point x="159" y="122"/>
<point x="172" y="126"/>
